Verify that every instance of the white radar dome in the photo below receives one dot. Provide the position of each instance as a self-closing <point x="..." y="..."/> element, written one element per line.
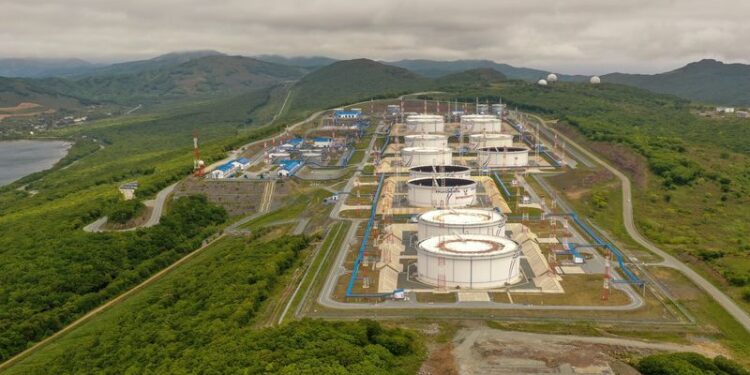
<point x="552" y="77"/>
<point x="541" y="82"/>
<point x="595" y="80"/>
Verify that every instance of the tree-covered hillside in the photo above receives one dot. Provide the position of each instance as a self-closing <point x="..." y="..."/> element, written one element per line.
<point x="51" y="271"/>
<point x="200" y="319"/>
<point x="693" y="202"/>
<point x="201" y="77"/>
<point x="351" y="81"/>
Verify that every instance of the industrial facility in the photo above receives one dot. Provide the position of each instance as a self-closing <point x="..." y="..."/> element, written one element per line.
<point x="452" y="216"/>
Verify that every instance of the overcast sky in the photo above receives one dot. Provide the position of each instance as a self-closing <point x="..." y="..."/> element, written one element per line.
<point x="570" y="36"/>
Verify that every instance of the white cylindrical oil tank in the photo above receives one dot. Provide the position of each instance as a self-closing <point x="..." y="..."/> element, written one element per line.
<point x="440" y="171"/>
<point x="471" y="261"/>
<point x="477" y="141"/>
<point x="471" y="124"/>
<point x="460" y="221"/>
<point x="426" y="140"/>
<point x="503" y="157"/>
<point x="416" y="156"/>
<point x="421" y="124"/>
<point x="442" y="192"/>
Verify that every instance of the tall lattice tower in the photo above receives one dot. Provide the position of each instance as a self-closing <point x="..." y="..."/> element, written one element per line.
<point x="198" y="164"/>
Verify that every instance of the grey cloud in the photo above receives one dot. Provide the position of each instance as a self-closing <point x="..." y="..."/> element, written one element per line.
<point x="577" y="36"/>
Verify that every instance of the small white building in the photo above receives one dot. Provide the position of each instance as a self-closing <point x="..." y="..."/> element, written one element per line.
<point x="725" y="109"/>
<point x="128" y="190"/>
<point x="322" y="142"/>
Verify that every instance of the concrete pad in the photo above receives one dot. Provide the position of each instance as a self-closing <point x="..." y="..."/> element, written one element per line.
<point x="572" y="270"/>
<point x="547" y="240"/>
<point x="473" y="296"/>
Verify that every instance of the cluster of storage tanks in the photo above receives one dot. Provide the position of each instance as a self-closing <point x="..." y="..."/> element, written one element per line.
<point x="425" y="146"/>
<point x="459" y="247"/>
<point x="466" y="248"/>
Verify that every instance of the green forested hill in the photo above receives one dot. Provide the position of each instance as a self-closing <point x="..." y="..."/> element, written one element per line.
<point x="201" y="77"/>
<point x="436" y="69"/>
<point x="707" y="81"/>
<point x="351" y="81"/>
<point x="690" y="171"/>
<point x="14" y="91"/>
<point x="201" y="318"/>
<point x="51" y="271"/>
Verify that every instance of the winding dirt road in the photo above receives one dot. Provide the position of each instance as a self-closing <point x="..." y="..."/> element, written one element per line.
<point x="669" y="261"/>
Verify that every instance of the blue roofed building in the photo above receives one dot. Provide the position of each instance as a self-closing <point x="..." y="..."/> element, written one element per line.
<point x="243" y="162"/>
<point x="293" y="143"/>
<point x="288" y="167"/>
<point x="226" y="170"/>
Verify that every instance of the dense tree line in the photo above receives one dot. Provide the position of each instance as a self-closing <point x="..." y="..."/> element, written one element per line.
<point x="43" y="291"/>
<point x="123" y="210"/>
<point x="689" y="364"/>
<point x="200" y="319"/>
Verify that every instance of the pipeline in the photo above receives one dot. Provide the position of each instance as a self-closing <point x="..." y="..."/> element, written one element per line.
<point x="363" y="246"/>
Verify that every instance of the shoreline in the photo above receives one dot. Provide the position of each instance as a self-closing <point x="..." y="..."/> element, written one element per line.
<point x="22" y="157"/>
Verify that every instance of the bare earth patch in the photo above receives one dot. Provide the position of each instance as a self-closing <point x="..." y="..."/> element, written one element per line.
<point x="482" y="350"/>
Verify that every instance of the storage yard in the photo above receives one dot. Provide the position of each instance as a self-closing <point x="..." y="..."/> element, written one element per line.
<point x="449" y="219"/>
<point x="448" y="211"/>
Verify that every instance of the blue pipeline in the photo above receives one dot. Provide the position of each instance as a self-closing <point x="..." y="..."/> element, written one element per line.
<point x="631" y="277"/>
<point x="502" y="185"/>
<point x="362" y="246"/>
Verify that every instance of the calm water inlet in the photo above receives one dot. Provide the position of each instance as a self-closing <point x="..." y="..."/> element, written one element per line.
<point x="24" y="157"/>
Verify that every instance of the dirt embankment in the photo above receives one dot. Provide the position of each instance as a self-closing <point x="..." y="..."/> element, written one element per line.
<point x="486" y="351"/>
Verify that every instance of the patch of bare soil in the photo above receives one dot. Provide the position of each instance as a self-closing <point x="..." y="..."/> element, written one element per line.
<point x="487" y="351"/>
<point x="440" y="362"/>
<point x="19" y="107"/>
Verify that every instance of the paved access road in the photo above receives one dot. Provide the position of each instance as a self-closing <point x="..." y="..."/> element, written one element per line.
<point x="669" y="261"/>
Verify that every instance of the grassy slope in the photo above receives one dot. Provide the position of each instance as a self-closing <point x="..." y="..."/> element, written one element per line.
<point x="199" y="318"/>
<point x="698" y="219"/>
<point x="41" y="241"/>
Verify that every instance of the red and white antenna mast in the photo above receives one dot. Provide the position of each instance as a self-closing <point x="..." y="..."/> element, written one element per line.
<point x="198" y="164"/>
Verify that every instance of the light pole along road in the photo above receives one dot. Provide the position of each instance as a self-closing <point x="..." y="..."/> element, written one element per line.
<point x="669" y="261"/>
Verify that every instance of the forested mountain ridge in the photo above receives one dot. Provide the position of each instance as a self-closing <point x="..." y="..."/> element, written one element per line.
<point x="708" y="81"/>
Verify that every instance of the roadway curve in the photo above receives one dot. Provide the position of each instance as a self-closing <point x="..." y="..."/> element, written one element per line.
<point x="669" y="261"/>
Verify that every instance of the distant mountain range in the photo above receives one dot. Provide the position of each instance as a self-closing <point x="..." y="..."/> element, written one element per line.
<point x="707" y="81"/>
<point x="38" y="68"/>
<point x="311" y="62"/>
<point x="436" y="69"/>
<point x="169" y="77"/>
<point x="209" y="72"/>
